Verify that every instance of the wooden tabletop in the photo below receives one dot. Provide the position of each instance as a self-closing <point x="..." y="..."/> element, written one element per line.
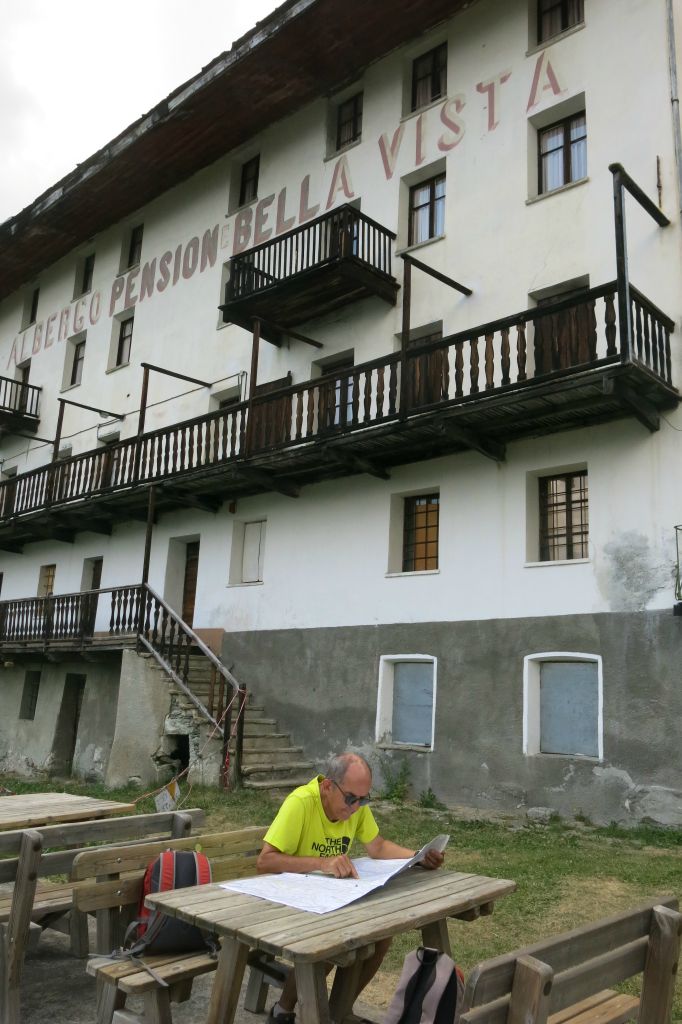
<point x="26" y="810"/>
<point x="412" y="900"/>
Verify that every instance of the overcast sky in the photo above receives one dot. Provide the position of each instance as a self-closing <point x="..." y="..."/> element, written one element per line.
<point x="75" y="73"/>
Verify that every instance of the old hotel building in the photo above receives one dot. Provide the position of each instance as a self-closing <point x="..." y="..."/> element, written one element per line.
<point x="355" y="362"/>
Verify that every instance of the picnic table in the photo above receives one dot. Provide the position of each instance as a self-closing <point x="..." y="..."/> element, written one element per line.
<point x="30" y="810"/>
<point x="417" y="899"/>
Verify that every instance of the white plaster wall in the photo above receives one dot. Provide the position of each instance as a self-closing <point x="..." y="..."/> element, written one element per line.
<point x="326" y="552"/>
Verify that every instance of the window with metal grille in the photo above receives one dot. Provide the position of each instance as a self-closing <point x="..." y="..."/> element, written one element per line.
<point x="248" y="188"/>
<point x="29" y="696"/>
<point x="349" y="121"/>
<point x="420" y="533"/>
<point x="135" y="246"/>
<point x="77" y="364"/>
<point x="88" y="272"/>
<point x="125" y="337"/>
<point x="555" y="16"/>
<point x="429" y="76"/>
<point x="564" y="521"/>
<point x="562" y="153"/>
<point x="427" y="210"/>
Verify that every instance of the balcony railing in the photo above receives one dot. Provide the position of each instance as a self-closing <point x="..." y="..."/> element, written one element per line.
<point x="535" y="347"/>
<point x="343" y="233"/>
<point x="19" y="399"/>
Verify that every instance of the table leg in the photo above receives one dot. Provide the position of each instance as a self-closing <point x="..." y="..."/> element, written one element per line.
<point x="435" y="935"/>
<point x="343" y="990"/>
<point x="311" y="988"/>
<point x="228" y="982"/>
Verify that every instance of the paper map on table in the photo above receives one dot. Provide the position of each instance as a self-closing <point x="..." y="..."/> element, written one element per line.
<point x="320" y="893"/>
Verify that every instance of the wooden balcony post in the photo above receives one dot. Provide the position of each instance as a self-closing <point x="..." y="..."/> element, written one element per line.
<point x="140" y="422"/>
<point x="405" y="335"/>
<point x="624" y="318"/>
<point x="252" y="384"/>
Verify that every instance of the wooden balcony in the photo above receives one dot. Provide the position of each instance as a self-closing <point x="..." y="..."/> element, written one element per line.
<point x="536" y="372"/>
<point x="331" y="261"/>
<point x="19" y="405"/>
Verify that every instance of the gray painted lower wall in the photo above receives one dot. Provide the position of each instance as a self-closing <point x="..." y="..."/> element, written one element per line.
<point x="321" y="684"/>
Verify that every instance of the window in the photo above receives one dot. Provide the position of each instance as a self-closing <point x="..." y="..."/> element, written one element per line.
<point x="349" y="121"/>
<point x="125" y="337"/>
<point x="78" y="359"/>
<point x="29" y="696"/>
<point x="429" y="76"/>
<point x="248" y="186"/>
<point x="336" y="396"/>
<point x="555" y="16"/>
<point x="406" y="700"/>
<point x="562" y="153"/>
<point x="135" y="246"/>
<point x="248" y="547"/>
<point x="563" y="704"/>
<point x="46" y="580"/>
<point x="427" y="210"/>
<point x="87" y="272"/>
<point x="420" y="533"/>
<point x="563" y="516"/>
<point x="30" y="314"/>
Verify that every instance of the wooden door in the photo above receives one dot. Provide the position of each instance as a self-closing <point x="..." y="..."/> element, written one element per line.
<point x="92" y="580"/>
<point x="426" y="372"/>
<point x="567" y="338"/>
<point x="189" y="586"/>
<point x="271" y="419"/>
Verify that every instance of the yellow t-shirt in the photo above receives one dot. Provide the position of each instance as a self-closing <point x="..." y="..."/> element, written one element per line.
<point x="302" y="829"/>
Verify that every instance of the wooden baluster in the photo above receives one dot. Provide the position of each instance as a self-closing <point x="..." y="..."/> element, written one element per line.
<point x="592" y="331"/>
<point x="505" y="355"/>
<point x="654" y="344"/>
<point x="445" y="374"/>
<point x="647" y="340"/>
<point x="183" y="450"/>
<point x="521" y="351"/>
<point x="368" y="396"/>
<point x="356" y="397"/>
<point x="459" y="369"/>
<point x="661" y="351"/>
<point x="554" y="327"/>
<point x="610" y="322"/>
<point x="112" y="617"/>
<point x="242" y="428"/>
<point x="310" y="418"/>
<point x="380" y="393"/>
<point x="299" y="414"/>
<point x="489" y="362"/>
<point x="668" y="367"/>
<point x="637" y="319"/>
<point x="392" y="390"/>
<point x="474" y="365"/>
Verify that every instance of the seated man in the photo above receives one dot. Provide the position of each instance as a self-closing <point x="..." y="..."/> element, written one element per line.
<point x="313" y="831"/>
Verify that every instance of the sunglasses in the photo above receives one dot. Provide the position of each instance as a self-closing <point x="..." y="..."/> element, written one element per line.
<point x="351" y="798"/>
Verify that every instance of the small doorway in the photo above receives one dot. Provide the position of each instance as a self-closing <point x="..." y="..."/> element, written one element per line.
<point x="91" y="580"/>
<point x="189" y="586"/>
<point x="68" y="720"/>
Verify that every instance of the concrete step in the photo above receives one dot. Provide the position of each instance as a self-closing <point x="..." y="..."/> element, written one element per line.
<point x="293" y="769"/>
<point x="266" y="742"/>
<point x="274" y="755"/>
<point x="277" y="783"/>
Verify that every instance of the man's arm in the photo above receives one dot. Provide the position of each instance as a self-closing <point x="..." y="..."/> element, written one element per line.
<point x="384" y="849"/>
<point x="273" y="861"/>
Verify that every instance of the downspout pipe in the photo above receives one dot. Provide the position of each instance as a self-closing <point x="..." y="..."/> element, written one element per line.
<point x="675" y="100"/>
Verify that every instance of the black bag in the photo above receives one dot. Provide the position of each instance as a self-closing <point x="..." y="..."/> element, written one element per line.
<point x="430" y="990"/>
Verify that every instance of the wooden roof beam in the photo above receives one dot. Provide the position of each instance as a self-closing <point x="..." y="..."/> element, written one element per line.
<point x="494" y="450"/>
<point x="638" y="405"/>
<point x="351" y="460"/>
<point x="270" y="482"/>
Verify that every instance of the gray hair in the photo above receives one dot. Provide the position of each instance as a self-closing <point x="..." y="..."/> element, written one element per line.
<point x="337" y="766"/>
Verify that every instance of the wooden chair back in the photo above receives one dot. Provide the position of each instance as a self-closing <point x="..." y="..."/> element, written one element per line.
<point x="530" y="984"/>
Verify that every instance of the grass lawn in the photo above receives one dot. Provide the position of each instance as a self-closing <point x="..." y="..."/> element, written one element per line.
<point x="565" y="875"/>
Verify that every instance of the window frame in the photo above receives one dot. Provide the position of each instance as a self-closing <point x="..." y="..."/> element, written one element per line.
<point x="531" y="738"/>
<point x="565" y="124"/>
<point x="248" y="180"/>
<point x="30" y="694"/>
<point x="436" y="72"/>
<point x="135" y="246"/>
<point x="77" y="360"/>
<point x="46" y="576"/>
<point x="432" y="203"/>
<point x="566" y="22"/>
<point x="573" y="534"/>
<point x="87" y="274"/>
<point x="385" y="694"/>
<point x="123" y="339"/>
<point x="409" y="541"/>
<point x="356" y="103"/>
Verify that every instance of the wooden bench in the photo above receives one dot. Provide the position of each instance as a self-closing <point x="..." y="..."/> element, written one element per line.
<point x="117" y="888"/>
<point x="564" y="980"/>
<point x="28" y="906"/>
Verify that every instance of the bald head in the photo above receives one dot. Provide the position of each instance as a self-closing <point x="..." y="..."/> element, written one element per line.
<point x="338" y="765"/>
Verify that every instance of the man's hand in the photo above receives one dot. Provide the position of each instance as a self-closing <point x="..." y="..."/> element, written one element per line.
<point x="433" y="859"/>
<point x="340" y="867"/>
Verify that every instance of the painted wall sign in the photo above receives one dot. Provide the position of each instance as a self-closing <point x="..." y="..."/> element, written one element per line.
<point x="275" y="214"/>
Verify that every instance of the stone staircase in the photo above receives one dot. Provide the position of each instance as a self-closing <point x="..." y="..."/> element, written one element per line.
<point x="270" y="761"/>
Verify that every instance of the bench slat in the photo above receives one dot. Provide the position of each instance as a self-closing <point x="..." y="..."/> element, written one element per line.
<point x="604" y="1008"/>
<point x="119" y="829"/>
<point x="180" y="970"/>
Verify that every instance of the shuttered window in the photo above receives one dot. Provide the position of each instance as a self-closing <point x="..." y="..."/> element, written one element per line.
<point x="413" y="703"/>
<point x="569" y="708"/>
<point x="252" y="556"/>
<point x="29" y="696"/>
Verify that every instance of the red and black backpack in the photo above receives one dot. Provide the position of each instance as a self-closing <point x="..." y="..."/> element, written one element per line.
<point x="155" y="932"/>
